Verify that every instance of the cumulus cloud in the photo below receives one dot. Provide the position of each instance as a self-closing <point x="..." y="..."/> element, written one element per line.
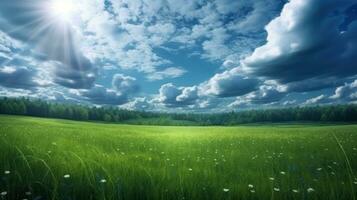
<point x="123" y="87"/>
<point x="211" y="104"/>
<point x="342" y="94"/>
<point x="172" y="96"/>
<point x="305" y="51"/>
<point x="266" y="94"/>
<point x="168" y="93"/>
<point x="229" y="84"/>
<point x="346" y="92"/>
<point x="188" y="95"/>
<point x="305" y="42"/>
<point x="139" y="103"/>
<point x="125" y="84"/>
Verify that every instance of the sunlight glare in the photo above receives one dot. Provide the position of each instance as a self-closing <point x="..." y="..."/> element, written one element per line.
<point x="63" y="9"/>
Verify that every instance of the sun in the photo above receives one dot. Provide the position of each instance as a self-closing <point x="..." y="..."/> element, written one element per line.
<point x="62" y="9"/>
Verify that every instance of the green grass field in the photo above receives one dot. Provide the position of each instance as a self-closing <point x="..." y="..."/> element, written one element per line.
<point x="59" y="159"/>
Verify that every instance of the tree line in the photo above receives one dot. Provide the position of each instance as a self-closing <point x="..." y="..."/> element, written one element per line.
<point x="39" y="108"/>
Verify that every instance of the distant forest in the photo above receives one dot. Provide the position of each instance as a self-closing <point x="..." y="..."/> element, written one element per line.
<point x="39" y="108"/>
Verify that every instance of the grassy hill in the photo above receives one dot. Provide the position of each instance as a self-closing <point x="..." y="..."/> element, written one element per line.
<point x="60" y="159"/>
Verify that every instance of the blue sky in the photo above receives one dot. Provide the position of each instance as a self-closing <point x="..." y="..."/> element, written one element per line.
<point x="180" y="56"/>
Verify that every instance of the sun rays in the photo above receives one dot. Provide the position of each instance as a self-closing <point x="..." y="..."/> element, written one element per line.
<point x="63" y="9"/>
<point x="52" y="31"/>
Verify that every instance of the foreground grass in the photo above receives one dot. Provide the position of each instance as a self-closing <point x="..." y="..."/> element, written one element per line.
<point x="59" y="159"/>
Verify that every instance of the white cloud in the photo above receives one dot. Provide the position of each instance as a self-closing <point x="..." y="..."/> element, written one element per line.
<point x="8" y="44"/>
<point x="172" y="96"/>
<point x="345" y="92"/>
<point x="266" y="94"/>
<point x="304" y="42"/>
<point x="140" y="103"/>
<point x="189" y="94"/>
<point x="216" y="47"/>
<point x="229" y="84"/>
<point x="316" y="100"/>
<point x="126" y="85"/>
<point x="171" y="72"/>
<point x="257" y="18"/>
<point x="228" y="64"/>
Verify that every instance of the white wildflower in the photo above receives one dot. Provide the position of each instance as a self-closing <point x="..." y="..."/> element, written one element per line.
<point x="309" y="190"/>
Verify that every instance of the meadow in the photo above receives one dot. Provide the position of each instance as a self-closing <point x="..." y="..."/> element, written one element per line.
<point x="62" y="159"/>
